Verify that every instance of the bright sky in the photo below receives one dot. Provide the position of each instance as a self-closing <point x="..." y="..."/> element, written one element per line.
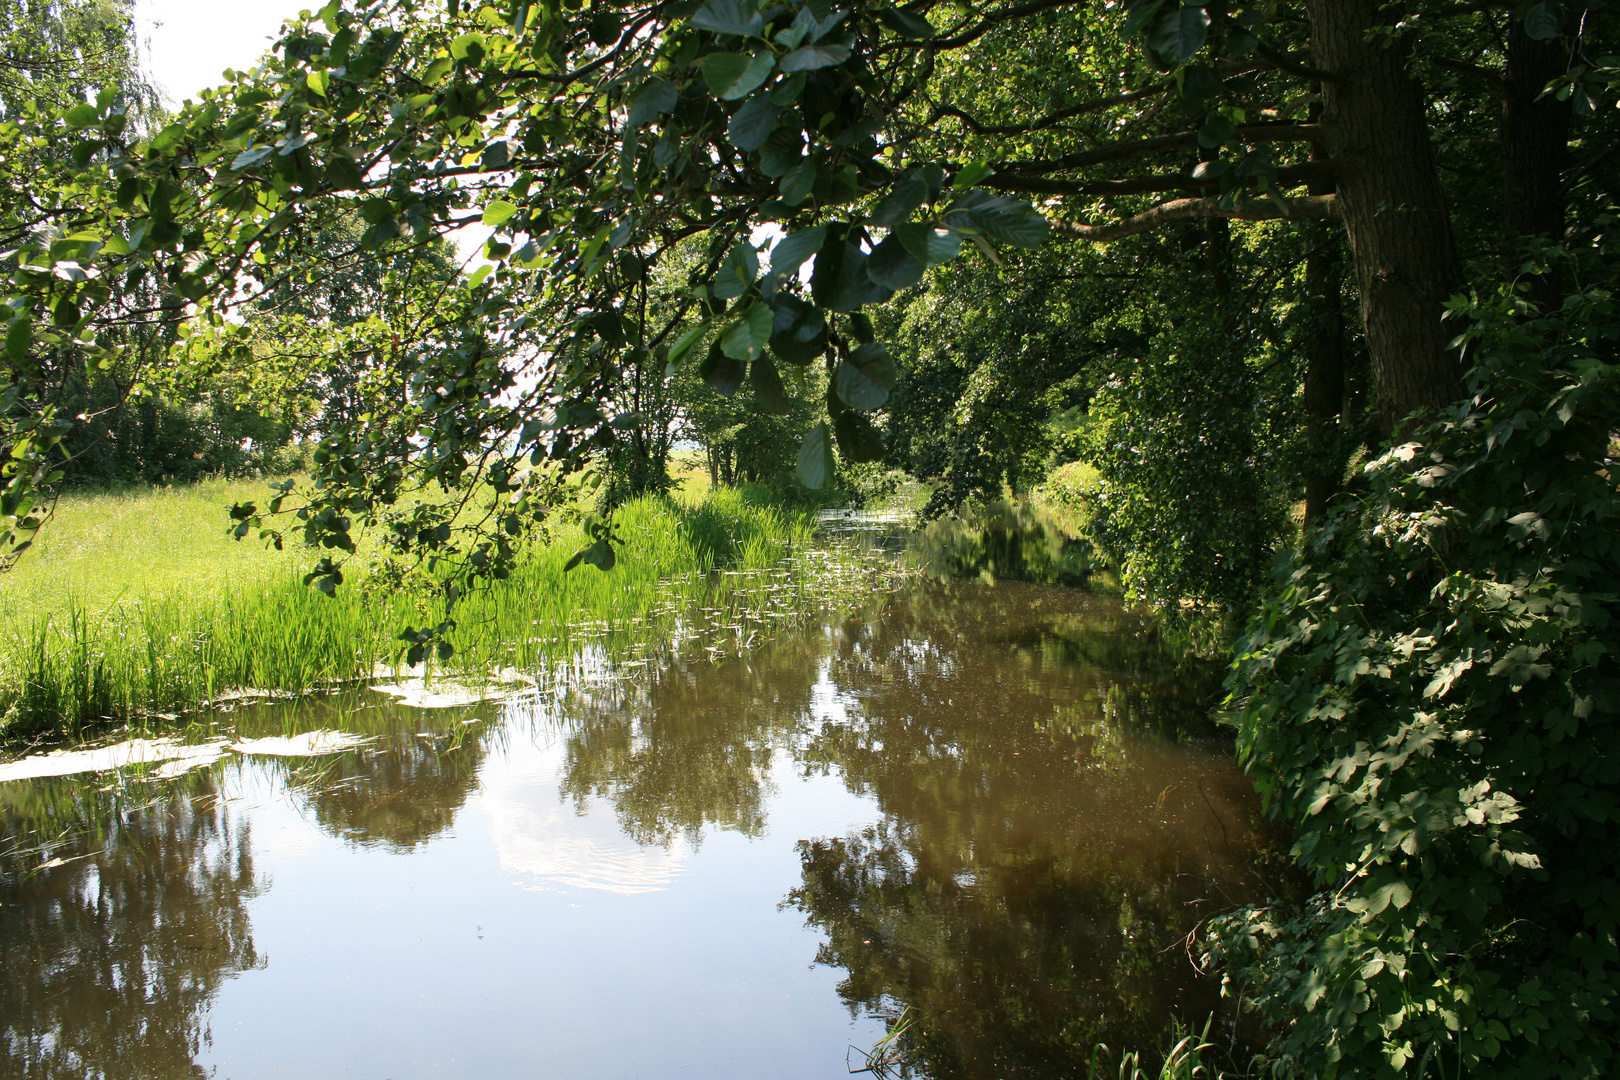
<point x="188" y="43"/>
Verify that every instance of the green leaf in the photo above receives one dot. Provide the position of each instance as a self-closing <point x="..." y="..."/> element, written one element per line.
<point x="1180" y="34"/>
<point x="733" y="75"/>
<point x="19" y="335"/>
<point x="343" y="174"/>
<point x="738" y="272"/>
<point x="605" y="28"/>
<point x="783" y="150"/>
<point x="601" y="555"/>
<point x="1142" y="12"/>
<point x="901" y="202"/>
<point x="892" y="266"/>
<point x="791" y="251"/>
<point x="1217" y="131"/>
<point x="767" y="386"/>
<point x="469" y="47"/>
<point x="816" y="465"/>
<point x="318" y="81"/>
<point x="798" y="182"/>
<point x="723" y="373"/>
<point x="251" y="156"/>
<point x="864" y="380"/>
<point x="745" y="339"/>
<point x="931" y="244"/>
<point x="1011" y="221"/>
<point x="684" y="343"/>
<point x="856" y="287"/>
<point x="652" y="99"/>
<point x="737" y="18"/>
<point x="1397" y="893"/>
<point x="496" y="156"/>
<point x="82" y="116"/>
<point x="379" y="234"/>
<point x="438" y="70"/>
<point x="498" y="213"/>
<point x="798" y="331"/>
<point x="752" y="124"/>
<point x="906" y="23"/>
<point x="1543" y="21"/>
<point x="859" y="440"/>
<point x="815" y="57"/>
<point x="970" y="174"/>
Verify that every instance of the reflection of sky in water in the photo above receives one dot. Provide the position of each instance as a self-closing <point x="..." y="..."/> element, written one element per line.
<point x="545" y="841"/>
<point x="529" y="940"/>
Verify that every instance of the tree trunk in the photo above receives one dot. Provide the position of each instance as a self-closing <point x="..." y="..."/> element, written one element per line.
<point x="1324" y="389"/>
<point x="1535" y="146"/>
<point x="1324" y="375"/>
<point x="1394" y="209"/>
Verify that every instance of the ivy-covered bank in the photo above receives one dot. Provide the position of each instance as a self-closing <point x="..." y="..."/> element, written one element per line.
<point x="1433" y="699"/>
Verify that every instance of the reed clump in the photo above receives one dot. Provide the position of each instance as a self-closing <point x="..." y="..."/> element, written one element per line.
<point x="67" y="665"/>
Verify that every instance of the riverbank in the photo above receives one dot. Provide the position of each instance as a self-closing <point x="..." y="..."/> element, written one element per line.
<point x="141" y="609"/>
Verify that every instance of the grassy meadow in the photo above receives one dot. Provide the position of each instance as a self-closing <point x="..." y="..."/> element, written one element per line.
<point x="138" y="606"/>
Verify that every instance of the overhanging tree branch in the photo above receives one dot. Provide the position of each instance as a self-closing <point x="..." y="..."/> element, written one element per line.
<point x="1058" y="117"/>
<point x="1249" y="133"/>
<point x="1303" y="208"/>
<point x="1147" y="185"/>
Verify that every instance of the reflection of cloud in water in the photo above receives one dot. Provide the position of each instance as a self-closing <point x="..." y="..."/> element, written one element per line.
<point x="540" y="836"/>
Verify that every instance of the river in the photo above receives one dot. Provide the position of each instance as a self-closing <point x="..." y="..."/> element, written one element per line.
<point x="989" y="811"/>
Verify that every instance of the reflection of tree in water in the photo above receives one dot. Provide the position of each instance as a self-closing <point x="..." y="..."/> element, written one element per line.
<point x="1005" y="541"/>
<point x="1038" y="859"/>
<point x="690" y="746"/>
<point x="399" y="790"/>
<point x="398" y="794"/>
<point x="113" y="956"/>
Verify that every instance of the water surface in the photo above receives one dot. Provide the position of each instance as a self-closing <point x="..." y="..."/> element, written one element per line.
<point x="995" y="809"/>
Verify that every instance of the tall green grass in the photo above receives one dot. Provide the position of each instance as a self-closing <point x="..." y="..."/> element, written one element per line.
<point x="134" y="652"/>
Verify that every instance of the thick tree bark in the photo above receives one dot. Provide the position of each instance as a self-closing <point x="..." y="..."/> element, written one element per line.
<point x="1324" y="366"/>
<point x="1535" y="147"/>
<point x="1393" y="207"/>
<point x="1324" y="376"/>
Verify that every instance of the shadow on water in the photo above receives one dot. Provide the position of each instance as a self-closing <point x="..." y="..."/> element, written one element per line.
<point x="1049" y="815"/>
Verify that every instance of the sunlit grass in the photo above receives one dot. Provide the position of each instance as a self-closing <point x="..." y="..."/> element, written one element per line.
<point x="105" y="627"/>
<point x="153" y="541"/>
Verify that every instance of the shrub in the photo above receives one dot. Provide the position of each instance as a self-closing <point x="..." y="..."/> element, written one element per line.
<point x="1431" y="697"/>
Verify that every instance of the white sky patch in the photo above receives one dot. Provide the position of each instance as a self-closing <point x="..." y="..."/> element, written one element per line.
<point x="188" y="44"/>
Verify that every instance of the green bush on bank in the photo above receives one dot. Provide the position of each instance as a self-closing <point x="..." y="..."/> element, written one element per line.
<point x="1432" y="697"/>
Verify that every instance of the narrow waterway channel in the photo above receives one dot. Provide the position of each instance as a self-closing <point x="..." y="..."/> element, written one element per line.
<point x="993" y="809"/>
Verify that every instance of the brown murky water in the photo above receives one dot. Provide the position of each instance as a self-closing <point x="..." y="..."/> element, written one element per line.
<point x="995" y="809"/>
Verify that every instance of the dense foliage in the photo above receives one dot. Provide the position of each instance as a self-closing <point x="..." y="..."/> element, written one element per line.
<point x="1433" y="699"/>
